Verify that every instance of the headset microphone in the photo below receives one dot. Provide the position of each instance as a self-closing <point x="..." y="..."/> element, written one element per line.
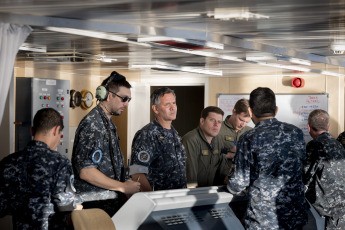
<point x="111" y="113"/>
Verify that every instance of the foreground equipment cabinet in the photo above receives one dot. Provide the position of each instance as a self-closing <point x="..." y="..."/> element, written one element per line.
<point x="198" y="208"/>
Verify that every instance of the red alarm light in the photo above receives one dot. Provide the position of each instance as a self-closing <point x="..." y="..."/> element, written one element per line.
<point x="298" y="82"/>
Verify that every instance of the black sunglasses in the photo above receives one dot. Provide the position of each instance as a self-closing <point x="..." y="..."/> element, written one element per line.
<point x="124" y="99"/>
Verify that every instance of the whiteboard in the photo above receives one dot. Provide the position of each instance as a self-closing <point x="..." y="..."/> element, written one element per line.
<point x="292" y="108"/>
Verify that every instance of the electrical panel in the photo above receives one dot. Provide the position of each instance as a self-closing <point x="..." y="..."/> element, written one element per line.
<point x="33" y="94"/>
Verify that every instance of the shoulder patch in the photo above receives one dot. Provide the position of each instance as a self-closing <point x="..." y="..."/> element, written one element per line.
<point x="97" y="156"/>
<point x="143" y="156"/>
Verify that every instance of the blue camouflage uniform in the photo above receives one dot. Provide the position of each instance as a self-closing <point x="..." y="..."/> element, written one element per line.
<point x="269" y="166"/>
<point x="34" y="183"/>
<point x="91" y="149"/>
<point x="325" y="176"/>
<point x="159" y="153"/>
<point x="341" y="138"/>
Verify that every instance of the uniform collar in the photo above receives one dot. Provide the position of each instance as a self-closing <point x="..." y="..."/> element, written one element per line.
<point x="324" y="134"/>
<point x="267" y="121"/>
<point x="38" y="143"/>
<point x="227" y="123"/>
<point x="105" y="117"/>
<point x="201" y="133"/>
<point x="156" y="123"/>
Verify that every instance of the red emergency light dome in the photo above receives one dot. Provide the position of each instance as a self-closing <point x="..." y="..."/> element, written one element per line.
<point x="298" y="82"/>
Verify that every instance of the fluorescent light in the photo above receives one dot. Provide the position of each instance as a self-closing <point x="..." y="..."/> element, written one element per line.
<point x="294" y="60"/>
<point x="292" y="67"/>
<point x="159" y="65"/>
<point x="87" y="33"/>
<point x="94" y="34"/>
<point x="338" y="46"/>
<point x="332" y="74"/>
<point x="197" y="52"/>
<point x="298" y="68"/>
<point x="33" y="48"/>
<point x="257" y="56"/>
<point x="235" y="13"/>
<point x="104" y="59"/>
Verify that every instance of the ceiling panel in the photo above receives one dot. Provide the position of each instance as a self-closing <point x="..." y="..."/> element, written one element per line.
<point x="269" y="30"/>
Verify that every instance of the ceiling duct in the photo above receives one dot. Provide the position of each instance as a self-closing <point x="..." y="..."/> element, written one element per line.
<point x="182" y="45"/>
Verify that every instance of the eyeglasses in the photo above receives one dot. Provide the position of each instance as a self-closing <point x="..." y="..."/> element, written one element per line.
<point x="124" y="99"/>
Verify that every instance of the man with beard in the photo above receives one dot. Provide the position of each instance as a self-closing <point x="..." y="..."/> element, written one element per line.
<point x="97" y="159"/>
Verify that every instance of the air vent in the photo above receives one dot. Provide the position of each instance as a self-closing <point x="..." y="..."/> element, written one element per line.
<point x="219" y="213"/>
<point x="180" y="219"/>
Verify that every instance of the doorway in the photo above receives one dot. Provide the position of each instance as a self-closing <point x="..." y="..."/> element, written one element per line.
<point x="190" y="103"/>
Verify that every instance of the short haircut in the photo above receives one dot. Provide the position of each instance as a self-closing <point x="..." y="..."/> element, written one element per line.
<point x="241" y="106"/>
<point x="211" y="109"/>
<point x="158" y="93"/>
<point x="318" y="120"/>
<point x="115" y="81"/>
<point x="262" y="101"/>
<point x="46" y="119"/>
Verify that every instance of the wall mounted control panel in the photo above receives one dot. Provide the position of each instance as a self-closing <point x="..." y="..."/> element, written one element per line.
<point x="33" y="94"/>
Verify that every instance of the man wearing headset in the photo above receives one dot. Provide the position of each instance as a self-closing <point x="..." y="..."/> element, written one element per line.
<point x="97" y="159"/>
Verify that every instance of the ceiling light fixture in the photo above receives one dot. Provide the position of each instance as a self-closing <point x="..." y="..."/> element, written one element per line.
<point x="198" y="52"/>
<point x="235" y="13"/>
<point x="104" y="58"/>
<point x="298" y="68"/>
<point x="338" y="46"/>
<point x="33" y="48"/>
<point x="292" y="67"/>
<point x="259" y="56"/>
<point x="294" y="60"/>
<point x="93" y="34"/>
<point x="163" y="66"/>
<point x="332" y="74"/>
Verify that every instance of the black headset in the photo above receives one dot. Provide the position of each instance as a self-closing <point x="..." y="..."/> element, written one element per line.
<point x="102" y="91"/>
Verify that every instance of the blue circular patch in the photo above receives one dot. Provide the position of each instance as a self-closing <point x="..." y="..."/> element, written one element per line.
<point x="97" y="156"/>
<point x="143" y="156"/>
